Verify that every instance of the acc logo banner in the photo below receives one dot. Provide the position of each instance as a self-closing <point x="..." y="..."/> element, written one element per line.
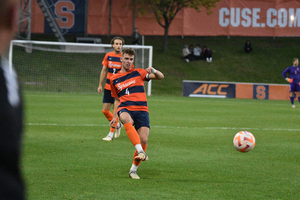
<point x="69" y="14"/>
<point x="208" y="89"/>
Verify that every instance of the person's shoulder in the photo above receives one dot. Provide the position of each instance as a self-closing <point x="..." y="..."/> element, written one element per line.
<point x="106" y="55"/>
<point x="109" y="53"/>
<point x="116" y="76"/>
<point x="112" y="53"/>
<point x="139" y="70"/>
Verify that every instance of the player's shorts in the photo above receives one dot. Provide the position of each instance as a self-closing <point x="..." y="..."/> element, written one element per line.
<point x="140" y="118"/>
<point x="295" y="87"/>
<point x="107" y="98"/>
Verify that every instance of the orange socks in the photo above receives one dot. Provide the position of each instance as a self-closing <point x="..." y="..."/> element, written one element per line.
<point x="132" y="134"/>
<point x="109" y="116"/>
<point x="135" y="140"/>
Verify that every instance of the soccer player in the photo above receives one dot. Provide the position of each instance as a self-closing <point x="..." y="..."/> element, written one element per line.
<point x="111" y="65"/>
<point x="11" y="109"/>
<point x="130" y="100"/>
<point x="293" y="79"/>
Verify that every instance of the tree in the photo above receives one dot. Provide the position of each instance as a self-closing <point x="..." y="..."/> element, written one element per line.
<point x="166" y="10"/>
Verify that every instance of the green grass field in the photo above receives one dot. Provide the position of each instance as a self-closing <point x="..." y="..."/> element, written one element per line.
<point x="190" y="150"/>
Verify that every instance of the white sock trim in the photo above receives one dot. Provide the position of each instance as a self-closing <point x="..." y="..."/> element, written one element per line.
<point x="139" y="148"/>
<point x="111" y="134"/>
<point x="133" y="168"/>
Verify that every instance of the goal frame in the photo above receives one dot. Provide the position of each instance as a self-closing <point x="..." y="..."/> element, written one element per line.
<point x="142" y="47"/>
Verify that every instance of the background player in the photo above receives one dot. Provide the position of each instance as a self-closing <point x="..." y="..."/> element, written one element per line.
<point x="294" y="80"/>
<point x="128" y="88"/>
<point x="11" y="110"/>
<point x="111" y="65"/>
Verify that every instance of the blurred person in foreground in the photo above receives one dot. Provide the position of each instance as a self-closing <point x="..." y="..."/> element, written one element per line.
<point x="130" y="98"/>
<point x="11" y="110"/>
<point x="293" y="79"/>
<point x="111" y="65"/>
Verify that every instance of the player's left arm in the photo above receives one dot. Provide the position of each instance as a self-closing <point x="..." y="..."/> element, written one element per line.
<point x="115" y="112"/>
<point x="114" y="94"/>
<point x="154" y="74"/>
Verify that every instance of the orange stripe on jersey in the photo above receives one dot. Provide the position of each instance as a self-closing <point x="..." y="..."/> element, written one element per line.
<point x="113" y="63"/>
<point x="129" y="88"/>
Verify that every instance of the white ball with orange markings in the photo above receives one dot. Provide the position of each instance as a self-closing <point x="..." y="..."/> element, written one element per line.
<point x="244" y="141"/>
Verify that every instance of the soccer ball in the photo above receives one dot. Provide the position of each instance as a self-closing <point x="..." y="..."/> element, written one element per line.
<point x="244" y="141"/>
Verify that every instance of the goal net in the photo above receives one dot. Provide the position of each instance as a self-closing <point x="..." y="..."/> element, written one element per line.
<point x="66" y="67"/>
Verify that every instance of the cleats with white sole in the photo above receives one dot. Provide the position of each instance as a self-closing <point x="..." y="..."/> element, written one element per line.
<point x="141" y="157"/>
<point x="133" y="175"/>
<point x="107" y="138"/>
<point x="118" y="130"/>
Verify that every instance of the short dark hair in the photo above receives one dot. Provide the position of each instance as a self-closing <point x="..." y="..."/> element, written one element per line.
<point x="128" y="51"/>
<point x="117" y="38"/>
<point x="295" y="59"/>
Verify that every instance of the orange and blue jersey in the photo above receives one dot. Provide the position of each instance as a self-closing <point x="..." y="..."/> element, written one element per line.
<point x="113" y="63"/>
<point x="129" y="88"/>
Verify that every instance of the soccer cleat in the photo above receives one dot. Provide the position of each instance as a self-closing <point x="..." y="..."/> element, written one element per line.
<point x="133" y="175"/>
<point x="293" y="106"/>
<point x="118" y="130"/>
<point x="141" y="156"/>
<point x="107" y="138"/>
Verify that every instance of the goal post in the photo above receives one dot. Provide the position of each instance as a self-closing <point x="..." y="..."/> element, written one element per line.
<point x="64" y="66"/>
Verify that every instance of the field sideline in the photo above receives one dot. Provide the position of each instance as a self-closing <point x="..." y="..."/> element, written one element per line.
<point x="191" y="155"/>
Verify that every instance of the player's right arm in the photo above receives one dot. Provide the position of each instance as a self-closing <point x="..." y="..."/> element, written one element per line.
<point x="284" y="72"/>
<point x="287" y="70"/>
<point x="102" y="78"/>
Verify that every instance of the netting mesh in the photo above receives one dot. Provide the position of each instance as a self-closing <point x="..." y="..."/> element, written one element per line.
<point x="63" y="67"/>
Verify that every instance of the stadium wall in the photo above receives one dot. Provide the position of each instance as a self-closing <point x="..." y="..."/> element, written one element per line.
<point x="235" y="90"/>
<point x="229" y="18"/>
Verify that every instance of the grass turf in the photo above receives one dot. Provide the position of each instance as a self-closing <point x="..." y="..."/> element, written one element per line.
<point x="190" y="150"/>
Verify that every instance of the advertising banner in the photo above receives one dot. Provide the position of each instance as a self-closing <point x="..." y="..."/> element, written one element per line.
<point x="273" y="18"/>
<point x="235" y="90"/>
<point x="70" y="15"/>
<point x="208" y="89"/>
<point x="229" y="18"/>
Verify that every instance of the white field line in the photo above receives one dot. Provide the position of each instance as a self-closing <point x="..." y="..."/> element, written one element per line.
<point x="169" y="127"/>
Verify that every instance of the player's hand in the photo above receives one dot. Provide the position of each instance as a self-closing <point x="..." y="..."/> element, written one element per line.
<point x="290" y="80"/>
<point x="100" y="89"/>
<point x="151" y="70"/>
<point x="112" y="122"/>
